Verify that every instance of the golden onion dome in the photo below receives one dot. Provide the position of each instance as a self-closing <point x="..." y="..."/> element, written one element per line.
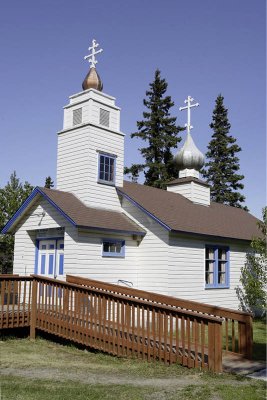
<point x="92" y="80"/>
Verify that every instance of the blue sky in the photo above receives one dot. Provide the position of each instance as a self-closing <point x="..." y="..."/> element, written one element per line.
<point x="202" y="48"/>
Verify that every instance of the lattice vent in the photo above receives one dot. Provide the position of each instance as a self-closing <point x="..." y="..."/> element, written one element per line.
<point x="77" y="116"/>
<point x="104" y="117"/>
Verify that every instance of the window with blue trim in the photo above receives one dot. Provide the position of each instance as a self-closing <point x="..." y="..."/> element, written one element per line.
<point x="106" y="171"/>
<point x="113" y="248"/>
<point x="216" y="267"/>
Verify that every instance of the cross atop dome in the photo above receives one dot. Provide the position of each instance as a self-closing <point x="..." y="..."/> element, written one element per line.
<point x="189" y="159"/>
<point x="92" y="79"/>
<point x="91" y="57"/>
<point x="189" y="100"/>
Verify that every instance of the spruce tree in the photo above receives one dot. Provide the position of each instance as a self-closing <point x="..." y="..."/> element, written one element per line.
<point x="48" y="182"/>
<point x="221" y="169"/>
<point x="11" y="198"/>
<point x="159" y="130"/>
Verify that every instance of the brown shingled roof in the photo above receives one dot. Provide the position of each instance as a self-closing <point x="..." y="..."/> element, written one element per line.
<point x="179" y="214"/>
<point x="88" y="217"/>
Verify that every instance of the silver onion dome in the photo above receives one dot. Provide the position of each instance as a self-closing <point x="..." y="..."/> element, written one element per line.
<point x="189" y="157"/>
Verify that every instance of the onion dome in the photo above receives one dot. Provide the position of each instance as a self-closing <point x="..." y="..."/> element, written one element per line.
<point x="92" y="80"/>
<point x="189" y="157"/>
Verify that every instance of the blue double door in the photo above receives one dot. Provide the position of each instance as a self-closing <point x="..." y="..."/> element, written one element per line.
<point x="51" y="258"/>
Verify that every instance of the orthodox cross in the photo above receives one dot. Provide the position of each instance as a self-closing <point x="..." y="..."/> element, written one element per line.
<point x="188" y="107"/>
<point x="91" y="57"/>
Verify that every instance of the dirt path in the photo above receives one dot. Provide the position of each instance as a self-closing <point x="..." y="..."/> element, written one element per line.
<point x="107" y="378"/>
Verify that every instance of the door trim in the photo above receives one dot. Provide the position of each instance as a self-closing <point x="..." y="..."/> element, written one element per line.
<point x="37" y="242"/>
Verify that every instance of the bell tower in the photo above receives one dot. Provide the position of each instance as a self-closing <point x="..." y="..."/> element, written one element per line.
<point x="90" y="157"/>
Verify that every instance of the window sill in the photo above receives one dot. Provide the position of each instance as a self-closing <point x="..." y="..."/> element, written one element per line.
<point x="107" y="183"/>
<point x="216" y="287"/>
<point x="113" y="255"/>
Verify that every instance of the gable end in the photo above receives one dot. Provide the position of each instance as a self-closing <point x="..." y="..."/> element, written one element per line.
<point x="18" y="214"/>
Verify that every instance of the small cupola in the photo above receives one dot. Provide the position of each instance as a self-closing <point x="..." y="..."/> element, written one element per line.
<point x="92" y="79"/>
<point x="189" y="161"/>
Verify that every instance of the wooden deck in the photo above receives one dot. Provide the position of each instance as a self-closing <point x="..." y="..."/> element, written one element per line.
<point x="123" y="322"/>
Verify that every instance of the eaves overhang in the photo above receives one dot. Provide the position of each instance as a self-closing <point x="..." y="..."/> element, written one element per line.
<point x="9" y="227"/>
<point x="143" y="209"/>
<point x="20" y="212"/>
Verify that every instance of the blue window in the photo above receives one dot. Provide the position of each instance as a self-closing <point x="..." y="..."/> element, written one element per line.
<point x="113" y="248"/>
<point x="61" y="264"/>
<point x="51" y="264"/>
<point x="216" y="267"/>
<point x="43" y="264"/>
<point x="106" y="173"/>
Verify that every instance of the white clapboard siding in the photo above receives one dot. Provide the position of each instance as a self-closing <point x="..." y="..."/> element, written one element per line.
<point x="87" y="260"/>
<point x="187" y="272"/>
<point x="152" y="252"/>
<point x="184" y="189"/>
<point x="78" y="166"/>
<point x="193" y="191"/>
<point x="91" y="101"/>
<point x="26" y="234"/>
<point x="79" y="147"/>
<point x="82" y="250"/>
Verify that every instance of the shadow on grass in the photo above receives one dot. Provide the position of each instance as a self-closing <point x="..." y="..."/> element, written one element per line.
<point x="259" y="339"/>
<point x="14" y="333"/>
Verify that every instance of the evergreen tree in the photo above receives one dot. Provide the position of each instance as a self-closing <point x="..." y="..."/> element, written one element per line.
<point x="133" y="171"/>
<point x="221" y="170"/>
<point x="158" y="129"/>
<point x="253" y="278"/>
<point x="49" y="183"/>
<point x="11" y="198"/>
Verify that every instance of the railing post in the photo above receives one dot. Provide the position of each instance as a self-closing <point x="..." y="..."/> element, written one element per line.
<point x="33" y="310"/>
<point x="245" y="337"/>
<point x="249" y="337"/>
<point x="215" y="346"/>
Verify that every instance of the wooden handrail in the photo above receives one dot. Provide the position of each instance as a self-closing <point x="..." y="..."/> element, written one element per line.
<point x="9" y="277"/>
<point x="161" y="298"/>
<point x="134" y="300"/>
<point x="244" y="319"/>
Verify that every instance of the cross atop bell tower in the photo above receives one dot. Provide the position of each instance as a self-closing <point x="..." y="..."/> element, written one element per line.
<point x="91" y="57"/>
<point x="92" y="79"/>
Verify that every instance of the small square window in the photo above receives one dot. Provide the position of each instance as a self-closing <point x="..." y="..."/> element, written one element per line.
<point x="216" y="267"/>
<point x="106" y="173"/>
<point x="113" y="248"/>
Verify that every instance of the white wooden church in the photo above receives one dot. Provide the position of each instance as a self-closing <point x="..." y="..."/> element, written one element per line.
<point x="96" y="225"/>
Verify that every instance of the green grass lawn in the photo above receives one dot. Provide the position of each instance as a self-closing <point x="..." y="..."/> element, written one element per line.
<point x="259" y="340"/>
<point x="43" y="369"/>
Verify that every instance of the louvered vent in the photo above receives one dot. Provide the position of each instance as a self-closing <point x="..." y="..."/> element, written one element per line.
<point x="104" y="117"/>
<point x="77" y="116"/>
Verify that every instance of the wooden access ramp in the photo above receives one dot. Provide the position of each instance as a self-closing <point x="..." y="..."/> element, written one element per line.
<point x="124" y="321"/>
